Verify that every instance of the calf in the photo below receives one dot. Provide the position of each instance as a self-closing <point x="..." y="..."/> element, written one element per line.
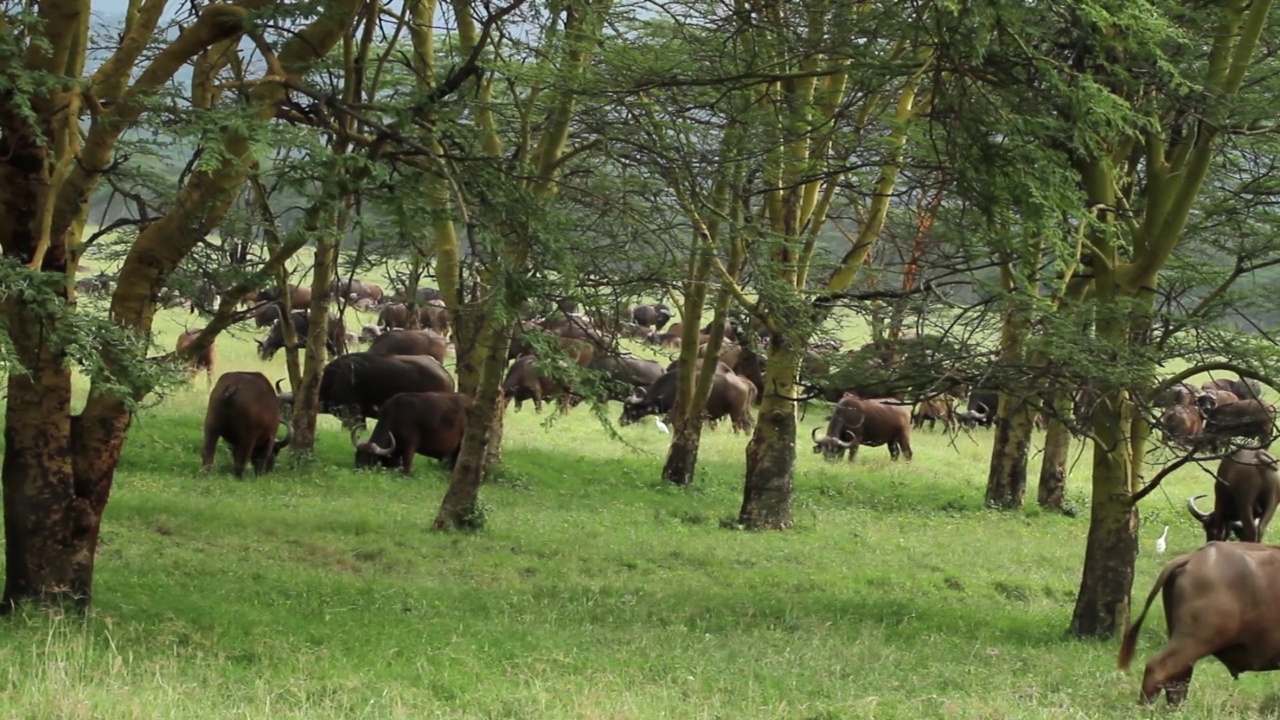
<point x="525" y="381"/>
<point x="932" y="411"/>
<point x="243" y="411"/>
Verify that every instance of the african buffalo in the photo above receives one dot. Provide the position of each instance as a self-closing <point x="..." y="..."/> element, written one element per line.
<point x="981" y="409"/>
<point x="336" y="342"/>
<point x="525" y="381"/>
<point x="1241" y="419"/>
<point x="730" y="395"/>
<point x="243" y="411"/>
<point x="1182" y="424"/>
<point x="655" y="315"/>
<point x="430" y="424"/>
<point x="626" y="374"/>
<point x="1241" y="388"/>
<point x="1180" y="394"/>
<point x="871" y="422"/>
<point x="932" y="411"/>
<point x="354" y="386"/>
<point x="410" y="342"/>
<point x="430" y="317"/>
<point x="1245" y="494"/>
<point x="204" y="359"/>
<point x="299" y="296"/>
<point x="1221" y="600"/>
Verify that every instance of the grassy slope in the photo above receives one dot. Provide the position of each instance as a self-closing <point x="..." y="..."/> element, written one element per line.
<point x="595" y="592"/>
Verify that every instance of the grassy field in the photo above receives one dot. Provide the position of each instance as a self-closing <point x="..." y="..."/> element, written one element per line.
<point x="596" y="591"/>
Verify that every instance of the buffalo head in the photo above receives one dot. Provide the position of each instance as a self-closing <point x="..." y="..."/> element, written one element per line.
<point x="634" y="409"/>
<point x="832" y="448"/>
<point x="1213" y="529"/>
<point x="370" y="454"/>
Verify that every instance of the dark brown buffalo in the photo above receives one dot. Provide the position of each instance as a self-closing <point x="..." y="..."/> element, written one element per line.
<point x="1182" y="424"/>
<point x="872" y="422"/>
<point x="1251" y="419"/>
<point x="730" y="395"/>
<point x="1245" y="494"/>
<point x="627" y="374"/>
<point x="335" y="342"/>
<point x="430" y="424"/>
<point x="932" y="411"/>
<point x="1241" y="388"/>
<point x="655" y="315"/>
<point x="354" y="386"/>
<point x="1221" y="600"/>
<point x="204" y="360"/>
<point x="526" y="381"/>
<point x="980" y="409"/>
<point x="243" y="411"/>
<point x="1180" y="394"/>
<point x="410" y="342"/>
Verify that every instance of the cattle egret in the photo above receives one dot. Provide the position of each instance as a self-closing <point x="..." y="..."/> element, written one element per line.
<point x="661" y="425"/>
<point x="1160" y="543"/>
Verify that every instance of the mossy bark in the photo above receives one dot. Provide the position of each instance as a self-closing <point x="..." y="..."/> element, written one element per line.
<point x="306" y="407"/>
<point x="1102" y="604"/>
<point x="771" y="454"/>
<point x="1007" y="476"/>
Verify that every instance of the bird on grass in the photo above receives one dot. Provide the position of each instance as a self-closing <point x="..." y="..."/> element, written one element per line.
<point x="661" y="425"/>
<point x="1160" y="543"/>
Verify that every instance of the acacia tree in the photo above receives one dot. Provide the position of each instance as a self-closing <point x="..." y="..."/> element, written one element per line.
<point x="1133" y="140"/>
<point x="806" y="162"/>
<point x="58" y="467"/>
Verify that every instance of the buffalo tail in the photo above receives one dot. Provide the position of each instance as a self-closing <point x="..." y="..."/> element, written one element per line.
<point x="1130" y="642"/>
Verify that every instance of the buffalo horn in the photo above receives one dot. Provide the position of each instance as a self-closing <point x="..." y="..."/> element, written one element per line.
<point x="288" y="435"/>
<point x="814" y="434"/>
<point x="980" y="415"/>
<point x="355" y="432"/>
<point x="382" y="452"/>
<point x="286" y="397"/>
<point x="1196" y="512"/>
<point x="279" y="390"/>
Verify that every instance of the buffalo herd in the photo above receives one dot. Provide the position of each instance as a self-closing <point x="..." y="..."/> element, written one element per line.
<point x="1219" y="600"/>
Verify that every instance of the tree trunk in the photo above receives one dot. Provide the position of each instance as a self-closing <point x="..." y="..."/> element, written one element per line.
<point x="1102" y="606"/>
<point x="771" y="454"/>
<point x="1053" y="468"/>
<point x="1007" y="478"/>
<point x="489" y="358"/>
<point x="306" y="407"/>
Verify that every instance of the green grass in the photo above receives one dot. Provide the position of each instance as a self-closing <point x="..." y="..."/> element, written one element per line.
<point x="595" y="591"/>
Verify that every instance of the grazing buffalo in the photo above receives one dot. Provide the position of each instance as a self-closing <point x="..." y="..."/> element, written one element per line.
<point x="204" y="359"/>
<point x="626" y="374"/>
<point x="1240" y="419"/>
<point x="354" y="386"/>
<point x="1182" y="424"/>
<point x="525" y="381"/>
<point x="336" y="342"/>
<point x="871" y="422"/>
<point x="1245" y="495"/>
<point x="730" y="395"/>
<point x="410" y="342"/>
<point x="243" y="411"/>
<point x="654" y="316"/>
<point x="932" y="411"/>
<point x="1241" y="388"/>
<point x="430" y="424"/>
<point x="981" y="409"/>
<point x="1221" y="600"/>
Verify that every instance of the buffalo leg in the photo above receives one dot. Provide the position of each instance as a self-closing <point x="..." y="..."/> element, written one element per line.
<point x="206" y="453"/>
<point x="240" y="457"/>
<point x="1170" y="669"/>
<point x="905" y="445"/>
<point x="406" y="457"/>
<point x="893" y="450"/>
